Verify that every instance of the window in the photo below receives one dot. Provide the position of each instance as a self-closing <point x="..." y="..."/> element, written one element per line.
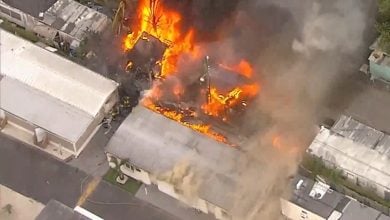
<point x="16" y="15"/>
<point x="5" y="10"/>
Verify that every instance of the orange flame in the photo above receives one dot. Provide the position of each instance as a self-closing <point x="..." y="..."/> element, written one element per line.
<point x="179" y="117"/>
<point x="218" y="103"/>
<point x="243" y="67"/>
<point x="164" y="24"/>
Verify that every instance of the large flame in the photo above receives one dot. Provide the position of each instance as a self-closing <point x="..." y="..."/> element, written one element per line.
<point x="164" y="24"/>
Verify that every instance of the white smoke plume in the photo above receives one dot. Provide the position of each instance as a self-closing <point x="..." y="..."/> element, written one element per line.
<point x="297" y="77"/>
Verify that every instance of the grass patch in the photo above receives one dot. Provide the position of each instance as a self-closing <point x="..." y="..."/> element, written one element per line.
<point x="131" y="185"/>
<point x="19" y="31"/>
<point x="335" y="178"/>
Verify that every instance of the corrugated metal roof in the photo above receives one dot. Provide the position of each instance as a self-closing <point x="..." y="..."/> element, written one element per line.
<point x="354" y="151"/>
<point x="358" y="132"/>
<point x="54" y="75"/>
<point x="74" y="18"/>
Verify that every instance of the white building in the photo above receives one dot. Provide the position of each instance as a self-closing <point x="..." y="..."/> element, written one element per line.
<point x="150" y="147"/>
<point x="56" y="20"/>
<point x="47" y="100"/>
<point x="361" y="152"/>
<point x="316" y="201"/>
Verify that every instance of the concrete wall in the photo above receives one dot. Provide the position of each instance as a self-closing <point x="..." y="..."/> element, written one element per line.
<point x="295" y="212"/>
<point x="73" y="148"/>
<point x="136" y="173"/>
<point x="28" y="128"/>
<point x="358" y="179"/>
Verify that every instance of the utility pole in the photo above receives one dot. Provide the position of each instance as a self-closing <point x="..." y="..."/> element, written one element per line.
<point x="205" y="79"/>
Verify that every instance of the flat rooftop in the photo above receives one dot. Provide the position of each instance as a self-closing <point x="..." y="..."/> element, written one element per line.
<point x="325" y="202"/>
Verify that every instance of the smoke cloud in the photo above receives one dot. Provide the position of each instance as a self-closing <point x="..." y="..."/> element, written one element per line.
<point x="298" y="48"/>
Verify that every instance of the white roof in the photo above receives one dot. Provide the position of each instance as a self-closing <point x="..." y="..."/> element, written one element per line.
<point x="48" y="90"/>
<point x="356" y="148"/>
<point x="53" y="74"/>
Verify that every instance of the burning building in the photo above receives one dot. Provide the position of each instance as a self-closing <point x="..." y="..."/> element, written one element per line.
<point x="199" y="171"/>
<point x="184" y="83"/>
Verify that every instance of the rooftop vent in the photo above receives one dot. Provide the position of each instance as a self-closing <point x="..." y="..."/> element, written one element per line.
<point x="319" y="189"/>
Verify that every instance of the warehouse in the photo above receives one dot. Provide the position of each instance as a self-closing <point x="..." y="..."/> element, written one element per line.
<point x="156" y="150"/>
<point x="49" y="101"/>
<point x="361" y="152"/>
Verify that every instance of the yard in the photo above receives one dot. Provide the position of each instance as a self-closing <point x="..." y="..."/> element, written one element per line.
<point x="131" y="185"/>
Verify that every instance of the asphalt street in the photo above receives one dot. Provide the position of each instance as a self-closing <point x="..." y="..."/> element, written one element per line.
<point x="37" y="175"/>
<point x="111" y="202"/>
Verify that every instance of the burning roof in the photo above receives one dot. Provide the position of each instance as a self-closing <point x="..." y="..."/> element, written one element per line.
<point x="190" y="87"/>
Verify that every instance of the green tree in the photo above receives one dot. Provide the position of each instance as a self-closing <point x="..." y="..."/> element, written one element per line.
<point x="383" y="24"/>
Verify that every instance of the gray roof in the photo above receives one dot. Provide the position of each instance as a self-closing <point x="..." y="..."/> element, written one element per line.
<point x="58" y="211"/>
<point x="156" y="144"/>
<point x="357" y="132"/>
<point x="331" y="201"/>
<point x="358" y="211"/>
<point x="75" y="19"/>
<point x="31" y="7"/>
<point x="322" y="207"/>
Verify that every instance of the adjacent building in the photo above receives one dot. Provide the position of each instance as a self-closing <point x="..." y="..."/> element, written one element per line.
<point x="156" y="150"/>
<point x="379" y="66"/>
<point x="360" y="151"/>
<point x="47" y="100"/>
<point x="62" y="22"/>
<point x="312" y="200"/>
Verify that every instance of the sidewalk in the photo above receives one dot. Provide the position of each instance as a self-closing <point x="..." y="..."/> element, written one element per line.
<point x="169" y="204"/>
<point x="15" y="206"/>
